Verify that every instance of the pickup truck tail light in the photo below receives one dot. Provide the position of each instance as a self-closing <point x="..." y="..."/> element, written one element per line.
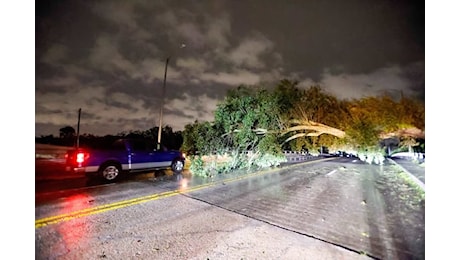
<point x="80" y="158"/>
<point x="77" y="158"/>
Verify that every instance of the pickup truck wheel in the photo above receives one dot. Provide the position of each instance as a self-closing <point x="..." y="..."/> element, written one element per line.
<point x="110" y="171"/>
<point x="177" y="166"/>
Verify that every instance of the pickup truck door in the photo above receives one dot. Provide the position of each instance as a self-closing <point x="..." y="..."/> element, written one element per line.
<point x="144" y="156"/>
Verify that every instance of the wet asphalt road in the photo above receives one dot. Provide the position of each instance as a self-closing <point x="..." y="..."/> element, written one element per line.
<point x="336" y="209"/>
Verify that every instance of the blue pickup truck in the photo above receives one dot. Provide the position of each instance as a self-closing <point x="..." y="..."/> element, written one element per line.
<point x="123" y="156"/>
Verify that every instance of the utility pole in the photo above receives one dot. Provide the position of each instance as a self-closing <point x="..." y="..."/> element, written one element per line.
<point x="78" y="128"/>
<point x="162" y="104"/>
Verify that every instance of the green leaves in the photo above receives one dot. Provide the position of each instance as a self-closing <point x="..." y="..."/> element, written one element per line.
<point x="203" y="137"/>
<point x="263" y="121"/>
<point x="246" y="115"/>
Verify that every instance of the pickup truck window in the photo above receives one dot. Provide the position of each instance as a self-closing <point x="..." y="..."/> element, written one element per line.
<point x="118" y="145"/>
<point x="142" y="145"/>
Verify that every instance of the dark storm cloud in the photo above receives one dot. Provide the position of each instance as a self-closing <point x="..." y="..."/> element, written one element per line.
<point x="415" y="73"/>
<point x="352" y="36"/>
<point x="108" y="57"/>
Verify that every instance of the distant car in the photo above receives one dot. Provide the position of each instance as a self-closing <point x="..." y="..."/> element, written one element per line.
<point x="123" y="156"/>
<point x="340" y="154"/>
<point x="344" y="154"/>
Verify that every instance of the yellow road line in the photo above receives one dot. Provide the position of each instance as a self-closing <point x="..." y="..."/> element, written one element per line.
<point x="125" y="203"/>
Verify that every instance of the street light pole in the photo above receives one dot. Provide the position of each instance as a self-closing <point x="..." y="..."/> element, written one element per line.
<point x="160" y="128"/>
<point x="162" y="104"/>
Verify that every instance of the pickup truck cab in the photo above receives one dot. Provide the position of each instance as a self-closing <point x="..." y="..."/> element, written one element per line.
<point x="123" y="156"/>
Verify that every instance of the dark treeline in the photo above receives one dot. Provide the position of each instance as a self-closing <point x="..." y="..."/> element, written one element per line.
<point x="67" y="137"/>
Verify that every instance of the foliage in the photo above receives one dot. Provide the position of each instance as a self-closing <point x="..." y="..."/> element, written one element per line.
<point x="362" y="134"/>
<point x="315" y="120"/>
<point x="245" y="128"/>
<point x="246" y="115"/>
<point x="269" y="145"/>
<point x="197" y="167"/>
<point x="67" y="132"/>
<point x="203" y="137"/>
<point x="286" y="95"/>
<point x="269" y="160"/>
<point x="373" y="118"/>
<point x="319" y="106"/>
<point x="252" y="118"/>
<point x="211" y="165"/>
<point x="386" y="114"/>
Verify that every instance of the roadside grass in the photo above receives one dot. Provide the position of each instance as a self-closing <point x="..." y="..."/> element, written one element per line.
<point x="403" y="187"/>
<point x="404" y="202"/>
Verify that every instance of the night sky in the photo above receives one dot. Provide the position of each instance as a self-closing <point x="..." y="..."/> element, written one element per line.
<point x="108" y="57"/>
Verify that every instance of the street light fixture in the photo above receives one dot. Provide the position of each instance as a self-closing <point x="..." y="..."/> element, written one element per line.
<point x="160" y="128"/>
